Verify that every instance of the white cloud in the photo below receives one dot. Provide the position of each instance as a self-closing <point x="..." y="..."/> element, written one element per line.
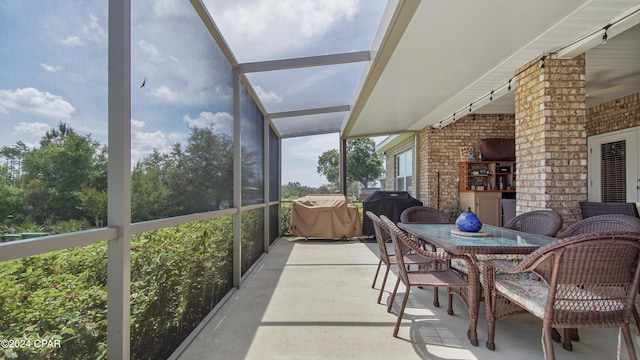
<point x="299" y="22"/>
<point x="72" y="41"/>
<point x="311" y="147"/>
<point x="168" y="8"/>
<point x="143" y="143"/>
<point x="150" y="49"/>
<point x="30" y="130"/>
<point x="36" y="101"/>
<point x="93" y="31"/>
<point x="221" y="121"/>
<point x="165" y="93"/>
<point x="268" y="97"/>
<point x="50" y="68"/>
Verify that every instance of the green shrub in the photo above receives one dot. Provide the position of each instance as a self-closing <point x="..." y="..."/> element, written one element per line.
<point x="28" y="226"/>
<point x="68" y="226"/>
<point x="56" y="296"/>
<point x="178" y="275"/>
<point x="285" y="221"/>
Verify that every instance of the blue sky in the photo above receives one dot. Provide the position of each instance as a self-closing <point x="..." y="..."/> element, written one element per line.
<point x="53" y="61"/>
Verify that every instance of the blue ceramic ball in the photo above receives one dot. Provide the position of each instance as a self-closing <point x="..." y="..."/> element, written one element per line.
<point x="468" y="222"/>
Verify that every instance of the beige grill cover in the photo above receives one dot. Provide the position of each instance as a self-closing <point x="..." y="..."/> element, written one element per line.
<point x="325" y="216"/>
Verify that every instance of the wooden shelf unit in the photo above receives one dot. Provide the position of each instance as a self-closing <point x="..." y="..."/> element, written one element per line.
<point x="480" y="188"/>
<point x="487" y="175"/>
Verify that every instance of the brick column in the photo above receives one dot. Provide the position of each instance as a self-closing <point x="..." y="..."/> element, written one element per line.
<point x="551" y="140"/>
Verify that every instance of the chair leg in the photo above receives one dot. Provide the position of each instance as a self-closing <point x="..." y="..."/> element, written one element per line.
<point x="373" y="284"/>
<point x="636" y="317"/>
<point x="629" y="342"/>
<point x="393" y="295"/>
<point x="491" y="320"/>
<point x="548" y="342"/>
<point x="555" y="335"/>
<point x="449" y="302"/>
<point x="384" y="283"/>
<point x="436" y="300"/>
<point x="566" y="342"/>
<point x="401" y="311"/>
<point x="574" y="335"/>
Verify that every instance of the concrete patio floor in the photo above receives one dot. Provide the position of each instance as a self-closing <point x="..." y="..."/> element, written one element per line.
<point x="313" y="300"/>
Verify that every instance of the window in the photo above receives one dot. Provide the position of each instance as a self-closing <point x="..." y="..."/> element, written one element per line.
<point x="613" y="177"/>
<point x="404" y="171"/>
<point x="614" y="166"/>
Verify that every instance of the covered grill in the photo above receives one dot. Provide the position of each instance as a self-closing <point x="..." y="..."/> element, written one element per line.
<point x="325" y="217"/>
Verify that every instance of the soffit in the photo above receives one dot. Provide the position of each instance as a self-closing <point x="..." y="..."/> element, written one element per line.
<point x="456" y="52"/>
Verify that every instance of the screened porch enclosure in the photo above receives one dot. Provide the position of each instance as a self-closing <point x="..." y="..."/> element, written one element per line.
<point x="150" y="148"/>
<point x="175" y="141"/>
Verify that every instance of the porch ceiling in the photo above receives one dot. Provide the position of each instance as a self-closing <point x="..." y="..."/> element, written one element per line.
<point x="428" y="59"/>
<point x="454" y="53"/>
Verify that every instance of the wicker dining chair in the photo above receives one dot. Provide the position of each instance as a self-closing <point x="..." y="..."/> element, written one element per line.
<point x="592" y="283"/>
<point x="388" y="259"/>
<point x="541" y="222"/>
<point x="603" y="223"/>
<point x="599" y="223"/>
<point x="442" y="275"/>
<point x="593" y="208"/>
<point x="423" y="215"/>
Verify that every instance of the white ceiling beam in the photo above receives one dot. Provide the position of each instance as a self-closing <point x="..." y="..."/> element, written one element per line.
<point x="398" y="18"/>
<point x="305" y="112"/>
<point x="320" y="60"/>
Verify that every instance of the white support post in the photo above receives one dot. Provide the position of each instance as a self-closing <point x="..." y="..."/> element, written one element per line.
<point x="266" y="173"/>
<point x="119" y="179"/>
<point x="279" y="185"/>
<point x="237" y="182"/>
<point x="343" y="166"/>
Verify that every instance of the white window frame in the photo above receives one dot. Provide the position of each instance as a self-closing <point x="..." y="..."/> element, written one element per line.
<point x="632" y="138"/>
<point x="404" y="170"/>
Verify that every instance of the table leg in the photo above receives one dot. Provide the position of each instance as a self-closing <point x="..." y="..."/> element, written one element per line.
<point x="474" y="298"/>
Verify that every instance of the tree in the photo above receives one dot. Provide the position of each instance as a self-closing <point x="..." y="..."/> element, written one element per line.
<point x="14" y="156"/>
<point x="206" y="168"/>
<point x="295" y="190"/>
<point x="364" y="165"/>
<point x="329" y="166"/>
<point x="11" y="197"/>
<point x="149" y="188"/>
<point x="93" y="202"/>
<point x="64" y="163"/>
<point x="195" y="177"/>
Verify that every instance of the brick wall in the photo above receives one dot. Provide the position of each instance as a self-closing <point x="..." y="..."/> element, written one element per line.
<point x="439" y="152"/>
<point x="551" y="141"/>
<point x="614" y="115"/>
<point x="551" y="129"/>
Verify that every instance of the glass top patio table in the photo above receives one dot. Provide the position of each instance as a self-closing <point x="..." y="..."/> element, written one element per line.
<point x="498" y="241"/>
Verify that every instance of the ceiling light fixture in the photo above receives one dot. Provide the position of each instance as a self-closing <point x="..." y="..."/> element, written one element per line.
<point x="542" y="61"/>
<point x="491" y="96"/>
<point x="604" y="35"/>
